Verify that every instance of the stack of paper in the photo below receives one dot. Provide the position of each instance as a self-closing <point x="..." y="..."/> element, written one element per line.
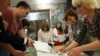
<point x="42" y="46"/>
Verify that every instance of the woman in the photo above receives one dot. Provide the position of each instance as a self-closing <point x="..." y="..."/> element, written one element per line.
<point x="71" y="18"/>
<point x="45" y="33"/>
<point x="91" y="25"/>
<point x="58" y="34"/>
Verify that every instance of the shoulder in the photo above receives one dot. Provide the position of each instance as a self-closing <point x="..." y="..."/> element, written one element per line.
<point x="97" y="14"/>
<point x="54" y="29"/>
<point x="40" y="30"/>
<point x="7" y="10"/>
<point x="51" y="29"/>
<point x="81" y="21"/>
<point x="7" y="14"/>
<point x="97" y="10"/>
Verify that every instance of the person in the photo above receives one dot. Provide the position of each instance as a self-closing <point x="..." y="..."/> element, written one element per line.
<point x="25" y="23"/>
<point x="14" y="25"/>
<point x="58" y="34"/>
<point x="89" y="10"/>
<point x="32" y="30"/>
<point x="71" y="17"/>
<point x="5" y="38"/>
<point x="68" y="33"/>
<point x="45" y="34"/>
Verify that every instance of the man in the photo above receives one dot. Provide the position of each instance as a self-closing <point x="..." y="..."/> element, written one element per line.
<point x="5" y="38"/>
<point x="12" y="21"/>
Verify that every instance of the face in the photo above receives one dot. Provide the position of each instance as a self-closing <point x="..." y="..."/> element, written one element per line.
<point x="58" y="25"/>
<point x="9" y="3"/>
<point x="45" y="28"/>
<point x="23" y="12"/>
<point x="71" y="20"/>
<point x="81" y="9"/>
<point x="4" y="4"/>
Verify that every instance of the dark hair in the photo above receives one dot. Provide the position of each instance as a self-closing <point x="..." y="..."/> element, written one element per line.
<point x="24" y="4"/>
<point x="70" y="12"/>
<point x="25" y="22"/>
<point x="60" y="29"/>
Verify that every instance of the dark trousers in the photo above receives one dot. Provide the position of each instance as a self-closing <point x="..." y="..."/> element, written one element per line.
<point x="18" y="46"/>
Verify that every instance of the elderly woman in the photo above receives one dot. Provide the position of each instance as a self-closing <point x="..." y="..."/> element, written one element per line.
<point x="91" y="25"/>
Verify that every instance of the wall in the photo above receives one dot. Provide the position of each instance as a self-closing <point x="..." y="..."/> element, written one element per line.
<point x="57" y="8"/>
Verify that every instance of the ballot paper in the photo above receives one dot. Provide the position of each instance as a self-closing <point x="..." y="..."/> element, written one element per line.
<point x="39" y="53"/>
<point x="42" y="46"/>
<point x="50" y="54"/>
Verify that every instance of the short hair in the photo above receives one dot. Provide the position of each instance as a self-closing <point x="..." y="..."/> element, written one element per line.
<point x="70" y="12"/>
<point x="89" y="4"/>
<point x="25" y="22"/>
<point x="45" y="24"/>
<point x="24" y="4"/>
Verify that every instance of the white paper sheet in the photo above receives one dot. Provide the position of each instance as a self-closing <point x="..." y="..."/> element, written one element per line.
<point x="42" y="46"/>
<point x="50" y="54"/>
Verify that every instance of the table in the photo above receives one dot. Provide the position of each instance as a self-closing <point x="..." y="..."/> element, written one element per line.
<point x="32" y="52"/>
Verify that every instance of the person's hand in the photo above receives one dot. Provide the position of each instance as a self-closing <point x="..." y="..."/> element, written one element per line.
<point x="75" y="51"/>
<point x="18" y="53"/>
<point x="30" y="43"/>
<point x="62" y="50"/>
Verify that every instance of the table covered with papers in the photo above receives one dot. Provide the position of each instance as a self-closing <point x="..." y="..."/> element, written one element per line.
<point x="43" y="49"/>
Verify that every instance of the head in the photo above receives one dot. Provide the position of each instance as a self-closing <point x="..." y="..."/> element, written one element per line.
<point x="84" y="6"/>
<point x="23" y="9"/>
<point x="25" y="23"/>
<point x="71" y="17"/>
<point x="45" y="26"/>
<point x="58" y="25"/>
<point x="4" y="4"/>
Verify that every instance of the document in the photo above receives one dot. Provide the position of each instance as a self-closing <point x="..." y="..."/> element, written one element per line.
<point x="42" y="46"/>
<point x="50" y="54"/>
